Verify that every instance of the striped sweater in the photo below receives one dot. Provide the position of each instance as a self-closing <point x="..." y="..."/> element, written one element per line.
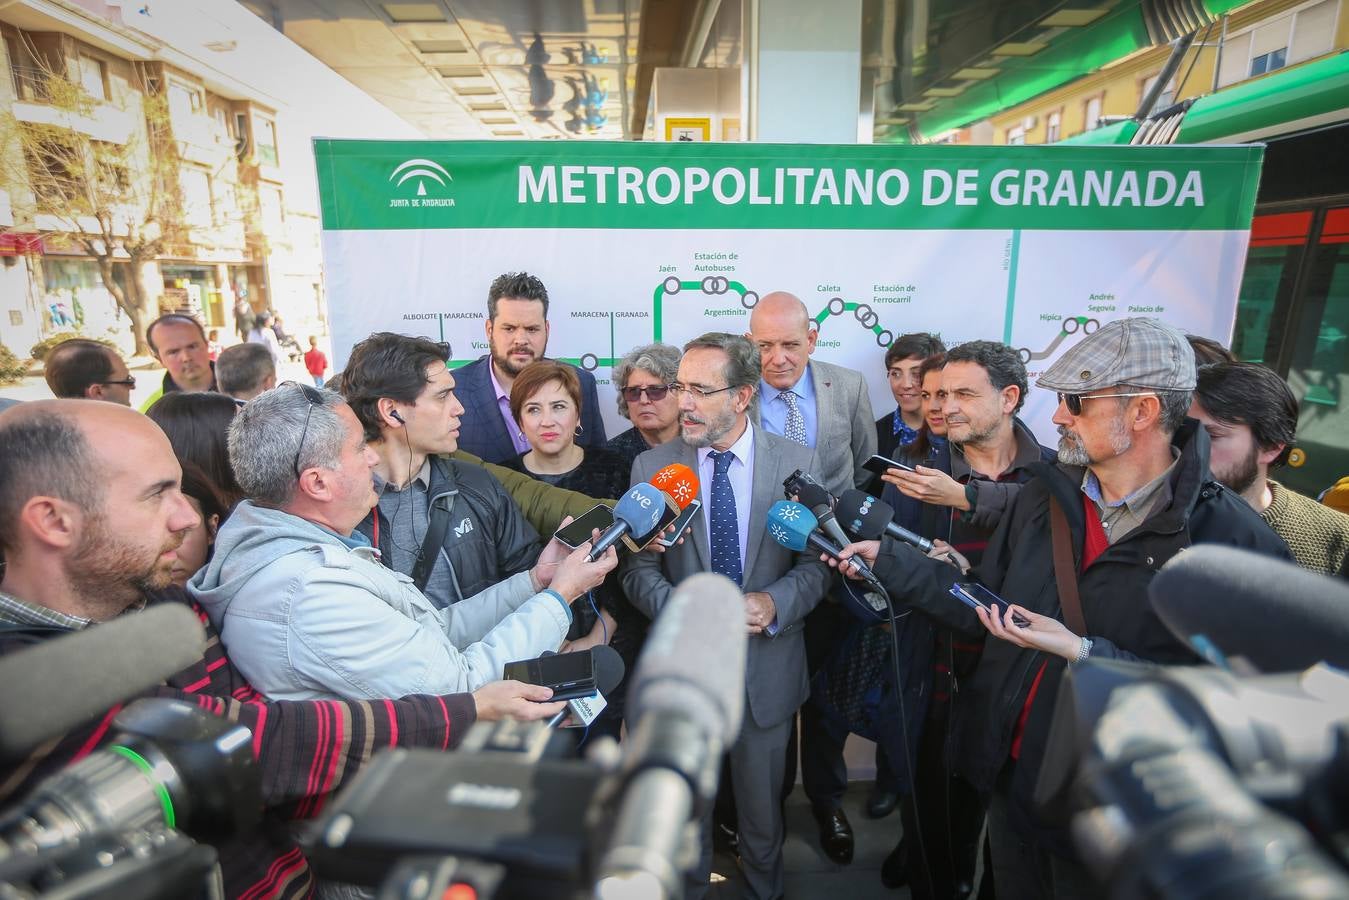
<point x="306" y="751"/>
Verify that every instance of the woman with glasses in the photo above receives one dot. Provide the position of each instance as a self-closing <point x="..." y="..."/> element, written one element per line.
<point x="644" y="397"/>
<point x="546" y="404"/>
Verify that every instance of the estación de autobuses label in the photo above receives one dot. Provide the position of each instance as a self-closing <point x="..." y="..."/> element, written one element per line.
<point x="401" y="185"/>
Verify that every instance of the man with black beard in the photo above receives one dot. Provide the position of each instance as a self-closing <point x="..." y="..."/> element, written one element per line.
<point x="517" y="335"/>
<point x="1251" y="418"/>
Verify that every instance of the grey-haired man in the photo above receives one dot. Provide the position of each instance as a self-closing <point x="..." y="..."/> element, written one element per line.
<point x="1130" y="490"/>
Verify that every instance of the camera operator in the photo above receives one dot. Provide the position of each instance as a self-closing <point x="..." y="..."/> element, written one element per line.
<point x="1130" y="490"/>
<point x="91" y="515"/>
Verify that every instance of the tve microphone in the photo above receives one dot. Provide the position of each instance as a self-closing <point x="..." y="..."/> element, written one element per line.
<point x="794" y="527"/>
<point x="609" y="671"/>
<point x="867" y="518"/>
<point x="679" y="482"/>
<point x="638" y="512"/>
<point x="1277" y="616"/>
<point x="818" y="501"/>
<point x="61" y="683"/>
<point x="687" y="698"/>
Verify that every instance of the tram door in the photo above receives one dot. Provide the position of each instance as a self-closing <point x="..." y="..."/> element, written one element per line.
<point x="1293" y="315"/>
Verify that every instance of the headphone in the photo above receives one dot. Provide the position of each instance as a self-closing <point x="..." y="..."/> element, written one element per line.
<point x="394" y="414"/>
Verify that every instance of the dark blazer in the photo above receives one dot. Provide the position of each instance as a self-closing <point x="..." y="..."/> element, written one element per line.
<point x="482" y="431"/>
<point x="775" y="675"/>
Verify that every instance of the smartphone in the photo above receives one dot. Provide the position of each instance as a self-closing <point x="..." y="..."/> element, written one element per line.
<point x="976" y="596"/>
<point x="570" y="675"/>
<point x="879" y="464"/>
<point x="579" y="531"/>
<point x="679" y="524"/>
<point x="637" y="543"/>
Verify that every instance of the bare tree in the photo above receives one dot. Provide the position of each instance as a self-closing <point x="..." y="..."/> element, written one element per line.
<point x="117" y="202"/>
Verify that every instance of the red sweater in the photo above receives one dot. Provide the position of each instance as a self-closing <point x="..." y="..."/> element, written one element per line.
<point x="306" y="750"/>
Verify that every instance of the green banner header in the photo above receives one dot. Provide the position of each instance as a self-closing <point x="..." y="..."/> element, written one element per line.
<point x="391" y="185"/>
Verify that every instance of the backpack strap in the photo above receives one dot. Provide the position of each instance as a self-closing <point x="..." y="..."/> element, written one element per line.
<point x="1065" y="568"/>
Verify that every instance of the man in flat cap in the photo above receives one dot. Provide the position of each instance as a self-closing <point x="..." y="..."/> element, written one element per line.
<point x="1074" y="555"/>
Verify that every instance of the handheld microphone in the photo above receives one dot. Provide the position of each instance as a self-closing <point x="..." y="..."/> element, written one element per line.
<point x="688" y="699"/>
<point x="819" y="502"/>
<point x="867" y="518"/>
<point x="60" y="684"/>
<point x="678" y="482"/>
<point x="794" y="527"/>
<point x="609" y="671"/>
<point x="638" y="512"/>
<point x="1276" y="615"/>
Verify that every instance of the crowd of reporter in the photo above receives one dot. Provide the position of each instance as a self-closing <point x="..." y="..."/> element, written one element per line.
<point x="363" y="578"/>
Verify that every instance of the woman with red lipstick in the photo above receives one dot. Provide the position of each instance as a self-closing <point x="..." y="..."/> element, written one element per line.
<point x="546" y="404"/>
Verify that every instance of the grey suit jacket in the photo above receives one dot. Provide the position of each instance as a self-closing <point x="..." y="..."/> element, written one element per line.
<point x="775" y="677"/>
<point x="845" y="427"/>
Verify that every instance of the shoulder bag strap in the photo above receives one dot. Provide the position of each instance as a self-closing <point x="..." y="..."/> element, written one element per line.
<point x="1065" y="569"/>
<point x="434" y="539"/>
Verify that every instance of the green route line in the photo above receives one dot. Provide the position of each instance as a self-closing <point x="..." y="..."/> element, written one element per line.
<point x="659" y="295"/>
<point x="711" y="286"/>
<point x="825" y="313"/>
<point x="1011" y="285"/>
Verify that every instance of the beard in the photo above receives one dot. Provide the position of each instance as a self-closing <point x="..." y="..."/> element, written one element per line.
<point x="113" y="572"/>
<point x="715" y="428"/>
<point x="1073" y="452"/>
<point x="1242" y="475"/>
<point x="978" y="436"/>
<point x="506" y="364"/>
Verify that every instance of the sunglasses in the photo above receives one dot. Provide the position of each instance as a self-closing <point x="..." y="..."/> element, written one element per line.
<point x="654" y="392"/>
<point x="315" y="399"/>
<point x="1074" y="401"/>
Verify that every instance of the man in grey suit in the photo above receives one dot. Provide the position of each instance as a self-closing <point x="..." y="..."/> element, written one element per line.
<point x="740" y="468"/>
<point x="826" y="407"/>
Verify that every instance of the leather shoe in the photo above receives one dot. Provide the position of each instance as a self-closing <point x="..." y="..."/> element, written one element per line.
<point x="880" y="803"/>
<point x="895" y="869"/>
<point x="836" y="837"/>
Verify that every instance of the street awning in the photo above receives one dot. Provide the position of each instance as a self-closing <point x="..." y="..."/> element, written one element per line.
<point x="1118" y="133"/>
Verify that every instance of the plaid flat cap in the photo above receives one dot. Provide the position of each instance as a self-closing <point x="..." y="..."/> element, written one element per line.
<point x="1142" y="352"/>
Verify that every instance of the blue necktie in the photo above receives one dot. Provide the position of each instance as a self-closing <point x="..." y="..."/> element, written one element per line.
<point x="724" y="538"/>
<point x="795" y="427"/>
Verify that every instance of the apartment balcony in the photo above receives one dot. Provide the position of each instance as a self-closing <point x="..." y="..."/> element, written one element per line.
<point x="99" y="120"/>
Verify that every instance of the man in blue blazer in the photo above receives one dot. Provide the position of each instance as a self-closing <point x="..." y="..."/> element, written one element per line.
<point x="517" y="334"/>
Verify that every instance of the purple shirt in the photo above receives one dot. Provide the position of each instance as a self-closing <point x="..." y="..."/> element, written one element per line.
<point x="504" y="405"/>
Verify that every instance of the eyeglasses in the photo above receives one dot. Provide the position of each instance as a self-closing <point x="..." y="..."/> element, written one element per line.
<point x="654" y="392"/>
<point x="315" y="399"/>
<point x="1074" y="401"/>
<point x="129" y="381"/>
<point x="698" y="391"/>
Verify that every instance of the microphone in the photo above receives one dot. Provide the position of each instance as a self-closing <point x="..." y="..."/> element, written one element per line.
<point x="1276" y="615"/>
<point x="609" y="671"/>
<point x="819" y="502"/>
<point x="688" y="699"/>
<point x="794" y="527"/>
<point x="867" y="518"/>
<point x="60" y="684"/>
<point x="678" y="482"/>
<point x="638" y="512"/>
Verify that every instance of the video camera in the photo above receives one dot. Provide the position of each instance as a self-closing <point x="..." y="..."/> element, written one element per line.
<point x="1196" y="782"/>
<point x="123" y="821"/>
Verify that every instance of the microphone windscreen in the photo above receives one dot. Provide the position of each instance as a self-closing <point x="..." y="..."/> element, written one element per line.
<point x="862" y="515"/>
<point x="679" y="481"/>
<point x="790" y="524"/>
<point x="62" y="683"/>
<point x="1278" y="616"/>
<point x="609" y="668"/>
<point x="813" y="496"/>
<point x="694" y="659"/>
<point x="640" y="508"/>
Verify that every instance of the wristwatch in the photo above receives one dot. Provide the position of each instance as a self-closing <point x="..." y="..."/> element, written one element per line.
<point x="1083" y="650"/>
